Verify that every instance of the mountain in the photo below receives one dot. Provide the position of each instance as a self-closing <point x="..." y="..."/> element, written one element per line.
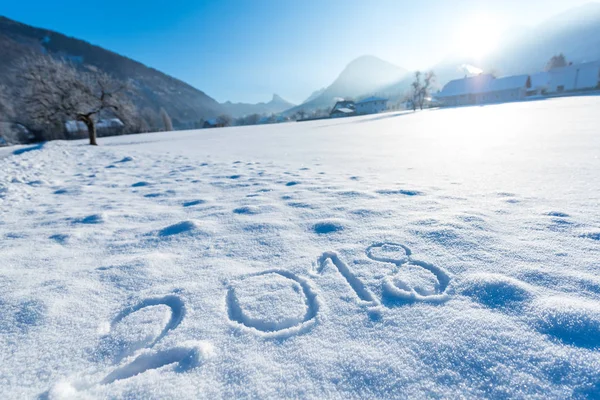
<point x="314" y="95"/>
<point x="184" y="103"/>
<point x="275" y="106"/>
<point x="576" y="33"/>
<point x="363" y="76"/>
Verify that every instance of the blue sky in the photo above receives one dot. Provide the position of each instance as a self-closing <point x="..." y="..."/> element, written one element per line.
<point x="246" y="50"/>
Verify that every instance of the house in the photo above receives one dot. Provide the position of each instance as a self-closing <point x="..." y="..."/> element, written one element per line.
<point x="343" y="104"/>
<point x="574" y="77"/>
<point x="371" y="105"/>
<point x="342" y="108"/>
<point x="74" y="127"/>
<point x="540" y="84"/>
<point x="113" y="124"/>
<point x="212" y="123"/>
<point x="342" y="112"/>
<point x="484" y="89"/>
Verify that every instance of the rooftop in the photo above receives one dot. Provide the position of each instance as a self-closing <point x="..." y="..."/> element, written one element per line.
<point x="344" y="110"/>
<point x="483" y="83"/>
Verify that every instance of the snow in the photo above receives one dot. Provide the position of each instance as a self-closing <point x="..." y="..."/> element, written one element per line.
<point x="446" y="253"/>
<point x="484" y="83"/>
<point x="345" y="110"/>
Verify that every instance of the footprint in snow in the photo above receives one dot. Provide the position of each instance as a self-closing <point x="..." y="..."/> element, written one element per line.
<point x="403" y="192"/>
<point x="557" y="214"/>
<point x="93" y="219"/>
<point x="193" y="203"/>
<point x="166" y="193"/>
<point x="60" y="238"/>
<point x="179" y="228"/>
<point x="496" y="291"/>
<point x="569" y="320"/>
<point x="141" y="184"/>
<point x="298" y="204"/>
<point x="327" y="227"/>
<point x="247" y="210"/>
<point x="591" y="235"/>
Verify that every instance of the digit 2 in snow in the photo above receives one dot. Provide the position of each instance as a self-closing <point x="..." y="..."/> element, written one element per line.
<point x="186" y="357"/>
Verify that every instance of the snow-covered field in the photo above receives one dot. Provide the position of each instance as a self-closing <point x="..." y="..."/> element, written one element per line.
<point x="445" y="253"/>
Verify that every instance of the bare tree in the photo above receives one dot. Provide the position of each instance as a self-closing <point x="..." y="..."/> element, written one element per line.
<point x="417" y="87"/>
<point x="55" y="91"/>
<point x="251" y="119"/>
<point x="301" y="114"/>
<point x="224" y="120"/>
<point x="428" y="81"/>
<point x="421" y="89"/>
<point x="166" y="119"/>
<point x="557" y="61"/>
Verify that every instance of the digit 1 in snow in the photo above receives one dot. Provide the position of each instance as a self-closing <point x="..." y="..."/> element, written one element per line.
<point x="356" y="284"/>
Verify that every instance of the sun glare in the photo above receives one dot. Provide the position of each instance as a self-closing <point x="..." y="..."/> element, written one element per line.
<point x="478" y="36"/>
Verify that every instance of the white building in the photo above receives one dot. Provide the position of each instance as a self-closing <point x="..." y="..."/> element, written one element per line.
<point x="540" y="84"/>
<point x="343" y="108"/>
<point x="584" y="76"/>
<point x="484" y="89"/>
<point x="371" y="105"/>
<point x="342" y="112"/>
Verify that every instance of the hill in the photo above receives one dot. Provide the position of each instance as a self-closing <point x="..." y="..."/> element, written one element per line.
<point x="363" y="76"/>
<point x="275" y="106"/>
<point x="184" y="103"/>
<point x="575" y="33"/>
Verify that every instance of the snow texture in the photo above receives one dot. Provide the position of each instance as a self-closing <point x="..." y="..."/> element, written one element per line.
<point x="443" y="254"/>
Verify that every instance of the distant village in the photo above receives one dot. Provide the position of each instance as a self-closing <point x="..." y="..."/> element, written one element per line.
<point x="486" y="88"/>
<point x="559" y="79"/>
<point x="479" y="89"/>
<point x="473" y="89"/>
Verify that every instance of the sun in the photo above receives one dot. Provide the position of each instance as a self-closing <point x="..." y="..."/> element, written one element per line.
<point x="478" y="36"/>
